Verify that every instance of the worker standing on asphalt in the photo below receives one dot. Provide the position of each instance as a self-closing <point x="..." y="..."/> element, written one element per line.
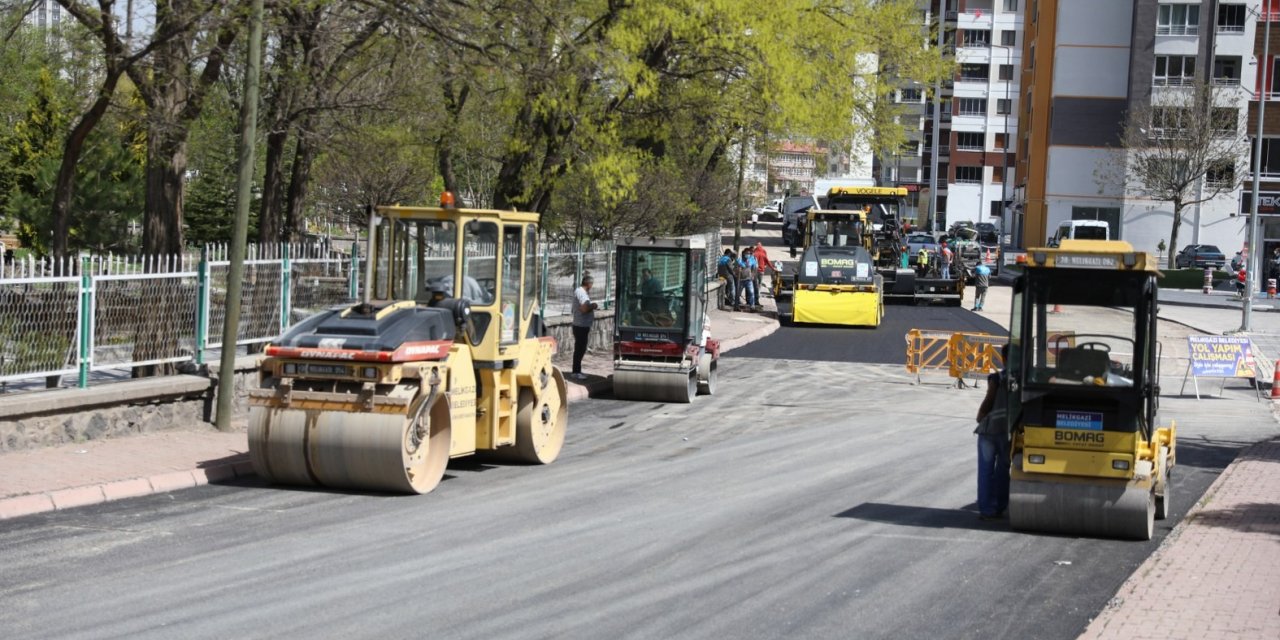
<point x="922" y="262"/>
<point x="993" y="445"/>
<point x="981" y="278"/>
<point x="762" y="263"/>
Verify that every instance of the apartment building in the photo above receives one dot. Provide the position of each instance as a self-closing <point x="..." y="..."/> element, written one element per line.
<point x="976" y="117"/>
<point x="1265" y="48"/>
<point x="1088" y="64"/>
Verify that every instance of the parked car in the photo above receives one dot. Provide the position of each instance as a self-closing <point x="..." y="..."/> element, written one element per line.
<point x="1199" y="256"/>
<point x="917" y="241"/>
<point x="987" y="233"/>
<point x="768" y="212"/>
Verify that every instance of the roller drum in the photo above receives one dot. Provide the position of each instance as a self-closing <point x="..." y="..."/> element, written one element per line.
<point x="350" y="450"/>
<point x="1106" y="508"/>
<point x="657" y="385"/>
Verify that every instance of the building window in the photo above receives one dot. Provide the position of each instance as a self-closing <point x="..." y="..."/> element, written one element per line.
<point x="1221" y="173"/>
<point x="1004" y="106"/>
<point x="1031" y="56"/>
<point x="1006" y="72"/>
<point x="1168" y="122"/>
<point x="1178" y="20"/>
<point x="971" y="106"/>
<point x="1010" y="5"/>
<point x="1008" y="38"/>
<point x="1225" y="120"/>
<point x="980" y="38"/>
<point x="910" y="95"/>
<point x="969" y="140"/>
<point x="1002" y="141"/>
<point x="1174" y="70"/>
<point x="1226" y="70"/>
<point x="1231" y="18"/>
<point x="997" y="174"/>
<point x="969" y="71"/>
<point x="1270" y="158"/>
<point x="968" y="175"/>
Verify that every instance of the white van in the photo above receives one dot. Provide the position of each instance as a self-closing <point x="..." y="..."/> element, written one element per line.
<point x="1081" y="230"/>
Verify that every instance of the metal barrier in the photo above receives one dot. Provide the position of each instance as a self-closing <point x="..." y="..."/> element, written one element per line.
<point x="928" y="350"/>
<point x="961" y="355"/>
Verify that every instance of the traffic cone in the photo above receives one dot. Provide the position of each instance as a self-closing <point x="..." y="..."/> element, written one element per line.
<point x="1275" y="382"/>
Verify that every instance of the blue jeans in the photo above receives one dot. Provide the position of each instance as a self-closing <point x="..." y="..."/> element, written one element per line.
<point x="993" y="474"/>
<point x="749" y="292"/>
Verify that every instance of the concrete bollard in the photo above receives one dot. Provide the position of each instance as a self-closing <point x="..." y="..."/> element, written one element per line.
<point x="1208" y="280"/>
<point x="1271" y="287"/>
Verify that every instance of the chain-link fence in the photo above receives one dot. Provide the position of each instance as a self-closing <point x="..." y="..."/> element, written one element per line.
<point x="92" y="317"/>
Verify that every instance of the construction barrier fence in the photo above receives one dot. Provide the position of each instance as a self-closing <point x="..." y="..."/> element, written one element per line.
<point x="962" y="355"/>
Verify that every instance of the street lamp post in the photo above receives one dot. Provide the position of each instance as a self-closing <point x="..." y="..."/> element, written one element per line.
<point x="1251" y="268"/>
<point x="931" y="217"/>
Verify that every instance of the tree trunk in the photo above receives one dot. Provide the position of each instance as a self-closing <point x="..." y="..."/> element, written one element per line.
<point x="1171" y="262"/>
<point x="304" y="155"/>
<point x="65" y="185"/>
<point x="269" y="211"/>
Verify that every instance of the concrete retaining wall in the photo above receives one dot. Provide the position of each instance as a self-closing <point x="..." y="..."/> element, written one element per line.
<point x="60" y="416"/>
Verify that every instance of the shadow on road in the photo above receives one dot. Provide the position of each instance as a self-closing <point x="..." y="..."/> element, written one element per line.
<point x="907" y="515"/>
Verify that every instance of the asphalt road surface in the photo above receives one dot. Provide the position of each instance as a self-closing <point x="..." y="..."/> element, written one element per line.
<point x="803" y="500"/>
<point x="884" y="344"/>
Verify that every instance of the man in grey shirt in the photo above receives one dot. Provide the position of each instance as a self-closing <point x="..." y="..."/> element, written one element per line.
<point x="584" y="314"/>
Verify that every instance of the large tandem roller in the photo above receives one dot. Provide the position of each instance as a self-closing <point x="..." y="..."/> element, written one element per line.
<point x="1088" y="456"/>
<point x="662" y="349"/>
<point x="444" y="357"/>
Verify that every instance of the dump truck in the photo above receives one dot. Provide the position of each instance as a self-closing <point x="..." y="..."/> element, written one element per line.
<point x="1088" y="455"/>
<point x="446" y="355"/>
<point x="662" y="345"/>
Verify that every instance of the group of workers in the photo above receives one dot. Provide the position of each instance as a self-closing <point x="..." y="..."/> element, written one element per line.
<point x="743" y="275"/>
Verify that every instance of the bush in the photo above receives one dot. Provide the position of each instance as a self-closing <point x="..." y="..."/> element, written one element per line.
<point x="1190" y="278"/>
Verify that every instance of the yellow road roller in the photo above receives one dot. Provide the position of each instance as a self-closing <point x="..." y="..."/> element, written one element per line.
<point x="835" y="281"/>
<point x="445" y="356"/>
<point x="1088" y="455"/>
<point x="662" y="345"/>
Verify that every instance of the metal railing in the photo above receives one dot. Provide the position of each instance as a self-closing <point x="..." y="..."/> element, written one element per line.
<point x="94" y="318"/>
<point x="90" y="314"/>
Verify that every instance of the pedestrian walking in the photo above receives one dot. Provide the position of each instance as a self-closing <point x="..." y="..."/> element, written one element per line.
<point x="944" y="263"/>
<point x="755" y="217"/>
<point x="981" y="278"/>
<point x="993" y="444"/>
<point x="584" y="315"/>
<point x="1241" y="282"/>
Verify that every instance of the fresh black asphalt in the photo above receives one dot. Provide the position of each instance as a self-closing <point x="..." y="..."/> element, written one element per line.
<point x="885" y="344"/>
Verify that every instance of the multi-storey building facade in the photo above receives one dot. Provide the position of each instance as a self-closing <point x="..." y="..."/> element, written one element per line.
<point x="1265" y="48"/>
<point x="976" y="116"/>
<point x="1089" y="63"/>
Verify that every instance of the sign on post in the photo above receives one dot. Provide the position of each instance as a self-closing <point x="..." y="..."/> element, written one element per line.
<point x="1219" y="357"/>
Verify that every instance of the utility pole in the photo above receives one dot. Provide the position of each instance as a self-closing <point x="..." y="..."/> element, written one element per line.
<point x="931" y="217"/>
<point x="235" y="274"/>
<point x="1252" y="264"/>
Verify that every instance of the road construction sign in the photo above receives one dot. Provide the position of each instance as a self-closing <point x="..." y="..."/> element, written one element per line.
<point x="1221" y="357"/>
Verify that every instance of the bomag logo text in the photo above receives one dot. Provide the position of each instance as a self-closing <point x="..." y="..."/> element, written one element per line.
<point x="839" y="262"/>
<point x="1079" y="437"/>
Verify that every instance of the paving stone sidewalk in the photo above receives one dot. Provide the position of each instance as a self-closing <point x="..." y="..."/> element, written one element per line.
<point x="1217" y="575"/>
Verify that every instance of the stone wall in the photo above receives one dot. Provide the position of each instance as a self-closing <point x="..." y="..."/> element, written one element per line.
<point x="561" y="328"/>
<point x="62" y="416"/>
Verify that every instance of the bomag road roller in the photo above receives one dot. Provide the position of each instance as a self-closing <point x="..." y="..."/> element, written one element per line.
<point x="1088" y="456"/>
<point x="835" y="280"/>
<point x="444" y="357"/>
<point x="662" y="349"/>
